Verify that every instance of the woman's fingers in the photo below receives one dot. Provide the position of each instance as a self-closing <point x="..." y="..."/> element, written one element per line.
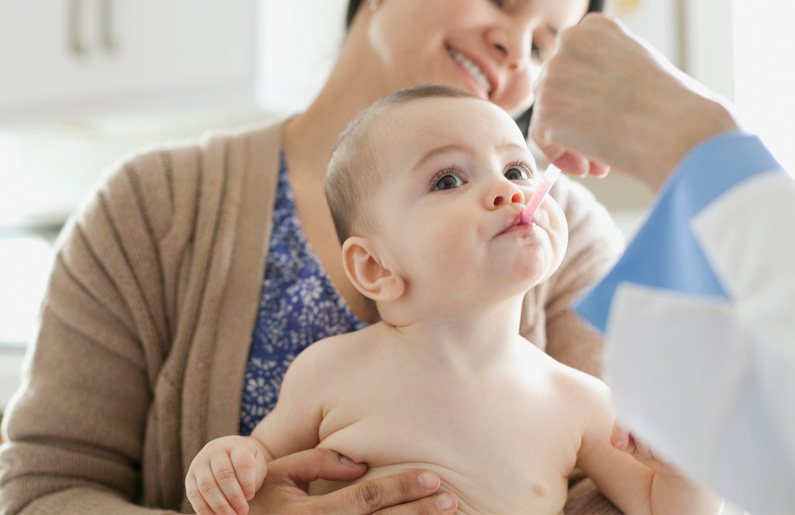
<point x="439" y="503"/>
<point x="396" y="494"/>
<point x="410" y="492"/>
<point x="305" y="466"/>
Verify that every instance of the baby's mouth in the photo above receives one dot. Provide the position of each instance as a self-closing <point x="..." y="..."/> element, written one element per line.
<point x="516" y="224"/>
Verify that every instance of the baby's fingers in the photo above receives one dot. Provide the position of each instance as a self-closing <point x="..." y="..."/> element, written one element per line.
<point x="231" y="494"/>
<point x="205" y="495"/>
<point x="250" y="469"/>
<point x="195" y="496"/>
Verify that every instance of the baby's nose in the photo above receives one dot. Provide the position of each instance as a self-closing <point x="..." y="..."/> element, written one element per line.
<point x="504" y="191"/>
<point x="515" y="198"/>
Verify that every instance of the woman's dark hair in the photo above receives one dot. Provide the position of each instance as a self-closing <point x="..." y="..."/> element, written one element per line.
<point x="353" y="6"/>
<point x="523" y="120"/>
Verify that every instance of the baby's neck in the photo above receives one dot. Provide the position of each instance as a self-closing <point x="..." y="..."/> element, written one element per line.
<point x="464" y="337"/>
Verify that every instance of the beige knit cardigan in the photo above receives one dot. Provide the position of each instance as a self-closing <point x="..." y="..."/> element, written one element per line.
<point x="148" y="317"/>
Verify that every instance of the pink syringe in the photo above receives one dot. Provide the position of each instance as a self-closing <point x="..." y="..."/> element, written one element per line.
<point x="551" y="174"/>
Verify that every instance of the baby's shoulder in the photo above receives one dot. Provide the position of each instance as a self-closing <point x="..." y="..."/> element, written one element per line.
<point x="319" y="367"/>
<point x="562" y="379"/>
<point x="334" y="350"/>
<point x="576" y="384"/>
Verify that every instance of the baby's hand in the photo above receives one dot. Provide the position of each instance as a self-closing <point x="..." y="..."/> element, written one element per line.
<point x="623" y="440"/>
<point x="226" y="474"/>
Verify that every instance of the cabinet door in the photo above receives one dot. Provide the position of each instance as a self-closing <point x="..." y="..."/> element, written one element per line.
<point x="119" y="55"/>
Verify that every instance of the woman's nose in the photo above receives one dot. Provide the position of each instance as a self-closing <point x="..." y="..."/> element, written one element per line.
<point x="504" y="192"/>
<point x="511" y="43"/>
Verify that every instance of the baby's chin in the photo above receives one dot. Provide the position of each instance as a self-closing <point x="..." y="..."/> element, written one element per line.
<point x="522" y="283"/>
<point x="535" y="272"/>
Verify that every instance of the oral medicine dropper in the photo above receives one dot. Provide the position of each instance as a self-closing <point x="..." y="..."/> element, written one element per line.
<point x="551" y="174"/>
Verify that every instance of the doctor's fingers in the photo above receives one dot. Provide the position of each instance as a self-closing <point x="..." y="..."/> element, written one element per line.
<point x="573" y="104"/>
<point x="601" y="89"/>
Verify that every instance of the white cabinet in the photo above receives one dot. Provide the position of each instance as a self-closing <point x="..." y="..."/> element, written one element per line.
<point x="77" y="56"/>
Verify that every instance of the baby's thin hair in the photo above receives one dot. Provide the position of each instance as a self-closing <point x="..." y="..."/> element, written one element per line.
<point x="353" y="171"/>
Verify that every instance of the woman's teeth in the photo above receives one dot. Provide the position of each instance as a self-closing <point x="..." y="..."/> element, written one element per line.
<point x="472" y="69"/>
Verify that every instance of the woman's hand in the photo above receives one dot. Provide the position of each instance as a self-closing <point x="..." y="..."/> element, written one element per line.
<point x="607" y="100"/>
<point x="282" y="491"/>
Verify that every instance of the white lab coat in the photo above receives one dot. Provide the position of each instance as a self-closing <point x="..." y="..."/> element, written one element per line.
<point x="699" y="316"/>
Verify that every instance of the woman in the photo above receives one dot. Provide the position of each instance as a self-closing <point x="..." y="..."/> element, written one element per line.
<point x="146" y="328"/>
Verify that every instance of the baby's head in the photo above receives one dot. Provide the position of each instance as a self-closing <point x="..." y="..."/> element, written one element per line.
<point x="426" y="188"/>
<point x="355" y="170"/>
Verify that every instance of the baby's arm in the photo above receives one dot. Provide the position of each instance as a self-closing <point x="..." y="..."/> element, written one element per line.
<point x="229" y="470"/>
<point x="635" y="480"/>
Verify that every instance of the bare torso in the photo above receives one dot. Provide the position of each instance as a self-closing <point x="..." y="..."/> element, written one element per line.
<point x="503" y="441"/>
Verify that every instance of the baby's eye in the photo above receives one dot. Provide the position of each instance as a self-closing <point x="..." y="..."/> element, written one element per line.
<point x="447" y="182"/>
<point x="517" y="172"/>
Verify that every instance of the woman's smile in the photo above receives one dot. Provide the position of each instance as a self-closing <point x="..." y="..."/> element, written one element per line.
<point x="475" y="71"/>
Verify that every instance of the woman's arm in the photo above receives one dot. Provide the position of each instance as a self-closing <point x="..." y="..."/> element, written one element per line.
<point x="74" y="432"/>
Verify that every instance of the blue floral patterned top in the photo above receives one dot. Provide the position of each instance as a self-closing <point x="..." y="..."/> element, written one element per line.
<point x="299" y="306"/>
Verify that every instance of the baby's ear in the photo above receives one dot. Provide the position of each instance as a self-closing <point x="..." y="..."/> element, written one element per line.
<point x="367" y="271"/>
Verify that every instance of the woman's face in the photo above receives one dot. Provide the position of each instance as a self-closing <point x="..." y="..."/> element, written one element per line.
<point x="492" y="48"/>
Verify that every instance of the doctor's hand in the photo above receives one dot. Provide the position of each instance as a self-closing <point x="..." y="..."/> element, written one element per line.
<point x="407" y="493"/>
<point x="607" y="100"/>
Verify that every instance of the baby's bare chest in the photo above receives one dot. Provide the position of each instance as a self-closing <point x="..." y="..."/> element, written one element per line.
<point x="504" y="447"/>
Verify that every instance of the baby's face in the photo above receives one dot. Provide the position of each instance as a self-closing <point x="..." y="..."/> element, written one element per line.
<point x="458" y="175"/>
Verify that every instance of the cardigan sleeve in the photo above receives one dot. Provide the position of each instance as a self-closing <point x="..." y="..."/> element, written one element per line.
<point x="74" y="432"/>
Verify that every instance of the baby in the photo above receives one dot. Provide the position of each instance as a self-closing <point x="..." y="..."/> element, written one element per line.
<point x="427" y="188"/>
